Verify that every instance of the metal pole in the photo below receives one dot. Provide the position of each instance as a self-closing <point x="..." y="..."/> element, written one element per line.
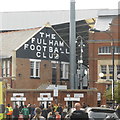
<point x="72" y="45"/>
<point x="113" y="64"/>
<point x="81" y="62"/>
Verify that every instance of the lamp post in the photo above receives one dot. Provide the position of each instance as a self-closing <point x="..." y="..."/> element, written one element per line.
<point x="113" y="64"/>
<point x="80" y="63"/>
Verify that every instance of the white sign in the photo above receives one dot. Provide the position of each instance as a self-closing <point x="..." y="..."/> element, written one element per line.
<point x="77" y="95"/>
<point x="18" y="94"/>
<point x="71" y="99"/>
<point x="45" y="99"/>
<point x="18" y="98"/>
<point x="55" y="92"/>
<point x="99" y="96"/>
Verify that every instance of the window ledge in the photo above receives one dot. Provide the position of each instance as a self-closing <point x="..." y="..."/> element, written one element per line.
<point x="35" y="77"/>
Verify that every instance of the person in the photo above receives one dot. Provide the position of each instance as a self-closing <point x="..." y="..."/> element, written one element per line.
<point x="118" y="110"/>
<point x="44" y="113"/>
<point x="78" y="114"/>
<point x="16" y="113"/>
<point x="84" y="105"/>
<point x="21" y="107"/>
<point x="59" y="109"/>
<point x="38" y="116"/>
<point x="9" y="112"/>
<point x="57" y="116"/>
<point x="65" y="111"/>
<point x="32" y="111"/>
<point x="29" y="108"/>
<point x="25" y="112"/>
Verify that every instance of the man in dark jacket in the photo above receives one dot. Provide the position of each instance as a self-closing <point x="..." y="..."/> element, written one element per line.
<point x="16" y="113"/>
<point x="78" y="114"/>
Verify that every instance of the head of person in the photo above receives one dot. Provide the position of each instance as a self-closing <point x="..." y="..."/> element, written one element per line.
<point x="38" y="111"/>
<point x="8" y="105"/>
<point x="25" y="106"/>
<point x="77" y="106"/>
<point x="16" y="105"/>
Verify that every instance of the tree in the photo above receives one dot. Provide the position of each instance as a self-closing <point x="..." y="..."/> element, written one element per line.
<point x="108" y="93"/>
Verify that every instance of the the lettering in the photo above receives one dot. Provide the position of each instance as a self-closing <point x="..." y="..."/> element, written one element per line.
<point x="26" y="46"/>
<point x="47" y="46"/>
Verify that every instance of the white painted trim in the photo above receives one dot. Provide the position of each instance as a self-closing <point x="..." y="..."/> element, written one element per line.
<point x="35" y="60"/>
<point x="48" y="94"/>
<point x="54" y="62"/>
<point x="29" y="38"/>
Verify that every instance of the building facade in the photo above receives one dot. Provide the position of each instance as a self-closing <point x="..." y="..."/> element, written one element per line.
<point x="101" y="57"/>
<point x="35" y="67"/>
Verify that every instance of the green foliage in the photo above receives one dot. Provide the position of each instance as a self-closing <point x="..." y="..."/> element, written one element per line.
<point x="108" y="93"/>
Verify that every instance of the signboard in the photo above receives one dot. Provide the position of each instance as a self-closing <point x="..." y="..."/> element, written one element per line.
<point x="47" y="45"/>
<point x="18" y="98"/>
<point x="79" y="95"/>
<point x="45" y="99"/>
<point x="55" y="92"/>
<point x="98" y="96"/>
<point x="71" y="99"/>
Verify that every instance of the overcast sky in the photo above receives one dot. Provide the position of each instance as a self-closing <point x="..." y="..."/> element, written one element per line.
<point x="12" y="11"/>
<point x="37" y="5"/>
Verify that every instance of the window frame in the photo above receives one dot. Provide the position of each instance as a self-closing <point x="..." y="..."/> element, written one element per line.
<point x="36" y="68"/>
<point x="64" y="71"/>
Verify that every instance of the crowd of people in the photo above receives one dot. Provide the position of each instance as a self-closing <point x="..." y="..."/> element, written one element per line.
<point x="33" y="112"/>
<point x="53" y="112"/>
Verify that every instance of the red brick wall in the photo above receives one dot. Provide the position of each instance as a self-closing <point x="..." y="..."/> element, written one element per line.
<point x="90" y="96"/>
<point x="23" y="80"/>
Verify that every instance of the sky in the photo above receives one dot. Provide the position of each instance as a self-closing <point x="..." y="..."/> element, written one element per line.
<point x="38" y="5"/>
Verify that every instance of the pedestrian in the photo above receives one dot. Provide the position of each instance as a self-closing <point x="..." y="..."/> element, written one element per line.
<point x="78" y="114"/>
<point x="59" y="109"/>
<point x="9" y="112"/>
<point x="84" y="105"/>
<point x="44" y="113"/>
<point x="29" y="108"/>
<point x="55" y="107"/>
<point x="58" y="116"/>
<point x="65" y="111"/>
<point x="38" y="113"/>
<point x="16" y="113"/>
<point x="118" y="110"/>
<point x="21" y="107"/>
<point x="25" y="112"/>
<point x="32" y="111"/>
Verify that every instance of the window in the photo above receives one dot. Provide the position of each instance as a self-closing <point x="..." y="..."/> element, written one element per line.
<point x="8" y="68"/>
<point x="117" y="50"/>
<point x="118" y="69"/>
<point x="54" y="73"/>
<point x="108" y="50"/>
<point x="35" y="68"/>
<point x="110" y="72"/>
<point x="103" y="70"/>
<point x="64" y="70"/>
<point x="4" y="68"/>
<point x="104" y="50"/>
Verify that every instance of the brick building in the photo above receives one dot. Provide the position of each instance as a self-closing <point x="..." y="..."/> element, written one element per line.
<point x="35" y="64"/>
<point x="100" y="53"/>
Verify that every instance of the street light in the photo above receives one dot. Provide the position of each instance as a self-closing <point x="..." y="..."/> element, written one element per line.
<point x="80" y="62"/>
<point x="113" y="64"/>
